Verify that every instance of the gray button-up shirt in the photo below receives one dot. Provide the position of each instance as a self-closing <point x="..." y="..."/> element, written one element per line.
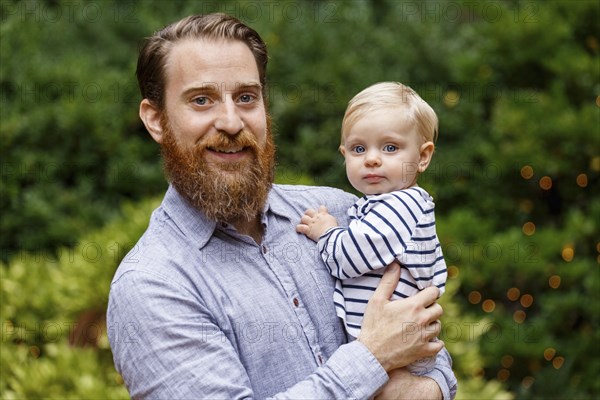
<point x="198" y="311"/>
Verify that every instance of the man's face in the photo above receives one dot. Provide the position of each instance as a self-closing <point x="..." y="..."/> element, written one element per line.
<point x="216" y="144"/>
<point x="213" y="86"/>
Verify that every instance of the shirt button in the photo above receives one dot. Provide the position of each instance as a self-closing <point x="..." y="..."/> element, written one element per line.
<point x="264" y="249"/>
<point x="320" y="359"/>
<point x="296" y="301"/>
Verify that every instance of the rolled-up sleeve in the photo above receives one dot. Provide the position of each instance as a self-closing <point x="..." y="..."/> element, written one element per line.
<point x="351" y="373"/>
<point x="443" y="375"/>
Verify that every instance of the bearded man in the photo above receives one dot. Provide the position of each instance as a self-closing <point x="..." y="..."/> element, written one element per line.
<point x="221" y="298"/>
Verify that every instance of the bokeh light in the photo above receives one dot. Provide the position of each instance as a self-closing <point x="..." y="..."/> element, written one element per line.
<point x="529" y="228"/>
<point x="519" y="316"/>
<point x="527" y="382"/>
<point x="527" y="172"/>
<point x="453" y="271"/>
<point x="568" y="253"/>
<point x="549" y="353"/>
<point x="513" y="294"/>
<point x="582" y="180"/>
<point x="503" y="375"/>
<point x="554" y="281"/>
<point x="488" y="305"/>
<point x="474" y="297"/>
<point x="558" y="362"/>
<point x="451" y="98"/>
<point x="507" y="361"/>
<point x="526" y="300"/>
<point x="546" y="182"/>
<point x="595" y="164"/>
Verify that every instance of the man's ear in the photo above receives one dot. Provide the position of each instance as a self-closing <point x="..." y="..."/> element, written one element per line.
<point x="425" y="154"/>
<point x="150" y="115"/>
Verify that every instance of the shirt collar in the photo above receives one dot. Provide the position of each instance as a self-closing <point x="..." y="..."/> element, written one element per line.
<point x="277" y="203"/>
<point x="193" y="223"/>
<point x="196" y="226"/>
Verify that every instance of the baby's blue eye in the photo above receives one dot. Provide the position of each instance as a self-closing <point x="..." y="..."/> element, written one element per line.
<point x="390" y="148"/>
<point x="359" y="149"/>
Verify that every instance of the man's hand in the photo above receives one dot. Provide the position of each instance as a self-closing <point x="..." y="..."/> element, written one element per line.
<point x="404" y="385"/>
<point x="315" y="223"/>
<point x="401" y="331"/>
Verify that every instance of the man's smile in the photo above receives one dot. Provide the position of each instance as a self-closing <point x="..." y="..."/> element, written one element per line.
<point x="227" y="153"/>
<point x="227" y="150"/>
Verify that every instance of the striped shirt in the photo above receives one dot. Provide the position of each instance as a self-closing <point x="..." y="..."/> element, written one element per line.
<point x="383" y="228"/>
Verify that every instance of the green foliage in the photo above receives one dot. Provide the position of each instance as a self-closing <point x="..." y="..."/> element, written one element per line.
<point x="46" y="334"/>
<point x="461" y="337"/>
<point x="516" y="86"/>
<point x="541" y="292"/>
<point x="58" y="371"/>
<point x="72" y="146"/>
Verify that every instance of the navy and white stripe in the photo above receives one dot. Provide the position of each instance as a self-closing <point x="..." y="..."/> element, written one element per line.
<point x="383" y="228"/>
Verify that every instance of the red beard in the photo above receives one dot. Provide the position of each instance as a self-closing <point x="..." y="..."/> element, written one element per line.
<point x="226" y="191"/>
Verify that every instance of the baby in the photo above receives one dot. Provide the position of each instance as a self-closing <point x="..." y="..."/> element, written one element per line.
<point x="388" y="135"/>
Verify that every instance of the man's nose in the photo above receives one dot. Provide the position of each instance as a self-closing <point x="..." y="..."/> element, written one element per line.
<point x="228" y="120"/>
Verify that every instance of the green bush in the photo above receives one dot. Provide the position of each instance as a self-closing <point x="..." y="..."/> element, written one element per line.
<point x="57" y="370"/>
<point x="461" y="336"/>
<point x="72" y="145"/>
<point x="54" y="341"/>
<point x="538" y="290"/>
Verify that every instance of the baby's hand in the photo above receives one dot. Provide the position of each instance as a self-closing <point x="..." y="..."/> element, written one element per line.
<point x="315" y="223"/>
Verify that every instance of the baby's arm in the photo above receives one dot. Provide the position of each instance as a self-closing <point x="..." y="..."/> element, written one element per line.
<point x="315" y="223"/>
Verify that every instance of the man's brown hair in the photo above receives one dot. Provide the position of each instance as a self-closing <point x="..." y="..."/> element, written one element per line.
<point x="155" y="50"/>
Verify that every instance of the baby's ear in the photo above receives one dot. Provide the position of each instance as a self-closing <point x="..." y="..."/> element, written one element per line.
<point x="342" y="150"/>
<point x="425" y="154"/>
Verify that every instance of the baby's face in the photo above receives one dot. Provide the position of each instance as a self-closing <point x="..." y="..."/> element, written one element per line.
<point x="382" y="151"/>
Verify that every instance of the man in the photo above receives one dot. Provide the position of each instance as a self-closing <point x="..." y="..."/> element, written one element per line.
<point x="221" y="298"/>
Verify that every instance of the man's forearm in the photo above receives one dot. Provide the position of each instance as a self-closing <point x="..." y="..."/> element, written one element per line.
<point x="404" y="385"/>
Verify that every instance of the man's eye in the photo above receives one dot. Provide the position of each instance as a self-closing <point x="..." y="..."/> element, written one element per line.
<point x="359" y="149"/>
<point x="246" y="98"/>
<point x="201" y="100"/>
<point x="390" y="148"/>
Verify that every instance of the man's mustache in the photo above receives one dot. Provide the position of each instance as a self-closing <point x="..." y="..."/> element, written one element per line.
<point x="243" y="139"/>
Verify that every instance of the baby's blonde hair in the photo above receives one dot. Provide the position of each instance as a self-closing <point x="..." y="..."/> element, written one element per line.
<point x="395" y="97"/>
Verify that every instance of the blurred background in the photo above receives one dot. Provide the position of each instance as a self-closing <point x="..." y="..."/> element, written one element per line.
<point x="516" y="85"/>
